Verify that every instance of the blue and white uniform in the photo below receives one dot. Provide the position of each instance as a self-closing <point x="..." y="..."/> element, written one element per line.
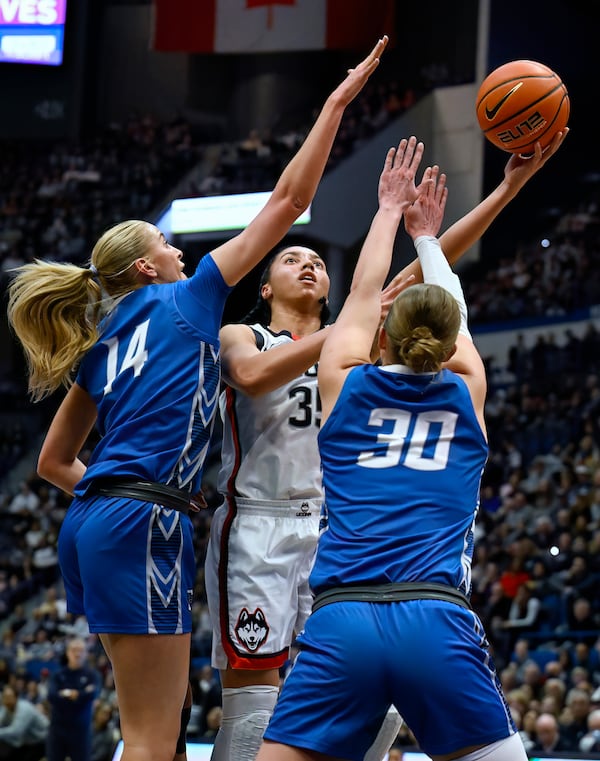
<point x="402" y="457"/>
<point x="154" y="375"/>
<point x="270" y="478"/>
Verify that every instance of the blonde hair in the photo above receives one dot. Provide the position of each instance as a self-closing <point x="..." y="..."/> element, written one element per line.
<point x="54" y="308"/>
<point x="422" y="326"/>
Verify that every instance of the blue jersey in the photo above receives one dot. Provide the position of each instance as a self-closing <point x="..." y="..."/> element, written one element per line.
<point x="154" y="375"/>
<point x="402" y="457"/>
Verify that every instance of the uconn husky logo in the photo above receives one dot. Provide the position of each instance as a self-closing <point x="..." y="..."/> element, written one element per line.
<point x="251" y="629"/>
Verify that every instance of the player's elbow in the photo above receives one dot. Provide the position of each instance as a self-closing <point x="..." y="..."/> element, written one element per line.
<point x="292" y="201"/>
<point x="247" y="380"/>
<point x="46" y="466"/>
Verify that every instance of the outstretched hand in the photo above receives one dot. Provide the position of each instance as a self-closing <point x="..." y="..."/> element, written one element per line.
<point x="357" y="77"/>
<point x="519" y="170"/>
<point x="397" y="189"/>
<point x="425" y="215"/>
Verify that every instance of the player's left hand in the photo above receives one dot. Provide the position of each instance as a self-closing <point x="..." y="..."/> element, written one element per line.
<point x="396" y="285"/>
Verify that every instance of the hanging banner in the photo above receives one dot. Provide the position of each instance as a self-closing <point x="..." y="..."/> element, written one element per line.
<point x="266" y="26"/>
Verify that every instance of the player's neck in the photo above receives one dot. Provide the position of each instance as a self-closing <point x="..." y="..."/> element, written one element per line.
<point x="294" y="321"/>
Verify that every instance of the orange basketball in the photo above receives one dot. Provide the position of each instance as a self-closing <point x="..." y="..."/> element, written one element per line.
<point x="520" y="103"/>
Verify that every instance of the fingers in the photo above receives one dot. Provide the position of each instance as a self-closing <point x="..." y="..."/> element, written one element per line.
<point x="372" y="60"/>
<point x="408" y="154"/>
<point x="529" y="165"/>
<point x="392" y="292"/>
<point x="389" y="159"/>
<point x="357" y="76"/>
<point x="397" y="284"/>
<point x="412" y="153"/>
<point x="427" y="188"/>
<point x="441" y="191"/>
<point x="557" y="141"/>
<point x="380" y="46"/>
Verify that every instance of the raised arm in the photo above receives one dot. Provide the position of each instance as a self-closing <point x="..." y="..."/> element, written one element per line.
<point x="460" y="236"/>
<point x="298" y="183"/>
<point x="466" y="231"/>
<point x="423" y="221"/>
<point x="350" y="339"/>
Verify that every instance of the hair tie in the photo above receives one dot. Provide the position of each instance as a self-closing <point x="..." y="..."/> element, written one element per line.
<point x="93" y="270"/>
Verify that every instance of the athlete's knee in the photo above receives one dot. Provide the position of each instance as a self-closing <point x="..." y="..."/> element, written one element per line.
<point x="248" y="733"/>
<point x="246" y="713"/>
<point x="240" y="701"/>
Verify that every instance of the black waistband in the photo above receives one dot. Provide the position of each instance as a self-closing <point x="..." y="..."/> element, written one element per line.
<point x="391" y="593"/>
<point x="147" y="491"/>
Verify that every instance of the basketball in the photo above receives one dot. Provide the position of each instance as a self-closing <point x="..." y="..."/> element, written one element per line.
<point x="520" y="103"/>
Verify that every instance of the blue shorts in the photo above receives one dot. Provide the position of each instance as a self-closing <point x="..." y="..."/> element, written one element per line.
<point x="428" y="658"/>
<point x="128" y="566"/>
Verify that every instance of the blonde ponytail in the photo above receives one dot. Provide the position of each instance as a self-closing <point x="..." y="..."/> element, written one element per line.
<point x="53" y="310"/>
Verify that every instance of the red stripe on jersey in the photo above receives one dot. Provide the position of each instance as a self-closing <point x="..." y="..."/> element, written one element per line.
<point x="230" y="412"/>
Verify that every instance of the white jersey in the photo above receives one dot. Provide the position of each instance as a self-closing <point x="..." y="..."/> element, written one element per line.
<point x="269" y="449"/>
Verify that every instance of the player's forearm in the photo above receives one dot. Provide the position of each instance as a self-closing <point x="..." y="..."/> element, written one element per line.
<point x="466" y="231"/>
<point x="269" y="370"/>
<point x="375" y="257"/>
<point x="301" y="177"/>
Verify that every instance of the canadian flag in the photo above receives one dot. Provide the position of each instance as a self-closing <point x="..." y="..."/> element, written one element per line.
<point x="261" y="26"/>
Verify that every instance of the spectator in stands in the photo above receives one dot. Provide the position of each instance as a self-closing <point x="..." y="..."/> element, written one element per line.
<point x="518" y="720"/>
<point x="493" y="610"/>
<point x="573" y="720"/>
<point x="71" y="695"/>
<point x="25" y="501"/>
<point x="53" y="604"/>
<point x="580" y="677"/>
<point x="548" y="738"/>
<point x="44" y="560"/>
<point x="6" y="670"/>
<point x="522" y="617"/>
<point x="554" y="687"/>
<point x="41" y="648"/>
<point x="23" y="728"/>
<point x="586" y="656"/>
<point x="582" y="622"/>
<point x="549" y="704"/>
<point x="514" y="576"/>
<point x="212" y="723"/>
<point x="533" y="677"/>
<point x="206" y="693"/>
<point x="520" y="656"/>
<point x="104" y="733"/>
<point x="590" y="742"/>
<point x="509" y="678"/>
<point x="202" y="636"/>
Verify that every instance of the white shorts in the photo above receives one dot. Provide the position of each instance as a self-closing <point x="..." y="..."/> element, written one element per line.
<point x="258" y="561"/>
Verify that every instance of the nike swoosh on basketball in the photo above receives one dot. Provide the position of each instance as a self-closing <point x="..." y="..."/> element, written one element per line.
<point x="491" y="112"/>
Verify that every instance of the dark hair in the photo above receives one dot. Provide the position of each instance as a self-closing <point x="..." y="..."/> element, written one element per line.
<point x="261" y="311"/>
